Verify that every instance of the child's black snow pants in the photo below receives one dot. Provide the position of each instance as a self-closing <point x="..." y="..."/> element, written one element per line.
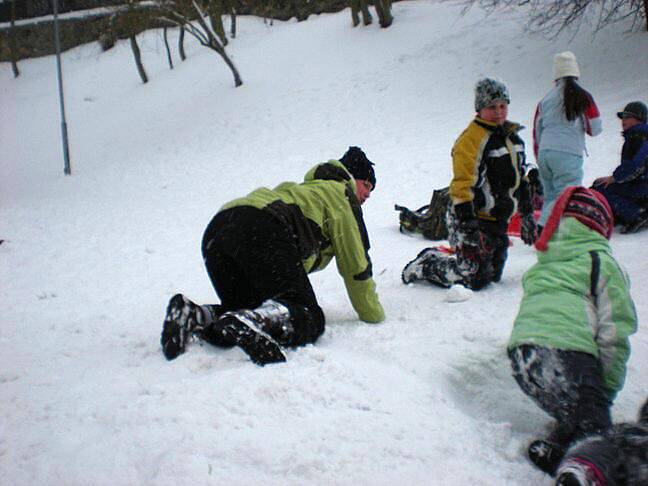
<point x="252" y="257"/>
<point x="568" y="385"/>
<point x="472" y="269"/>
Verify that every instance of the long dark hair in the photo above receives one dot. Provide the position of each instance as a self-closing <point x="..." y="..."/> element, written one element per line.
<point x="576" y="99"/>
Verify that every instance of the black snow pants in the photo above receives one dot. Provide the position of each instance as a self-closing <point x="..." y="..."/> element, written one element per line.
<point x="252" y="257"/>
<point x="468" y="268"/>
<point x="568" y="385"/>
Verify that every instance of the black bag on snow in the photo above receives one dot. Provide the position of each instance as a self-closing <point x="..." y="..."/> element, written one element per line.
<point x="428" y="220"/>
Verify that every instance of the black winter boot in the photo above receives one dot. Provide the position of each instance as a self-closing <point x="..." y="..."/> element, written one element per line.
<point x="258" y="332"/>
<point x="183" y="317"/>
<point x="417" y="269"/>
<point x="570" y="479"/>
<point x="637" y="225"/>
<point x="579" y="473"/>
<point x="546" y="455"/>
<point x="212" y="332"/>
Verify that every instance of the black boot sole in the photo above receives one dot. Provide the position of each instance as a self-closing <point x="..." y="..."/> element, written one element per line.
<point x="175" y="330"/>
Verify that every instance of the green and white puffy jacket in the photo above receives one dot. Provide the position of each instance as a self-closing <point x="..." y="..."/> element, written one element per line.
<point x="576" y="298"/>
<point x="324" y="214"/>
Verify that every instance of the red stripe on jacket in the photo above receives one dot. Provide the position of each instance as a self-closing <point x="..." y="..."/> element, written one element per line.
<point x="591" y="112"/>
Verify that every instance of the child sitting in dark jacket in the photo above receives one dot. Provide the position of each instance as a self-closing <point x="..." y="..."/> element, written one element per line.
<point x="617" y="457"/>
<point x="627" y="188"/>
<point x="569" y="345"/>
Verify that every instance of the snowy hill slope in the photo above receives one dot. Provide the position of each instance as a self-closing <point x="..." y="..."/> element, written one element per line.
<point x="89" y="261"/>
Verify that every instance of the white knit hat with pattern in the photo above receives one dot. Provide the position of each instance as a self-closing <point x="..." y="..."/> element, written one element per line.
<point x="565" y="65"/>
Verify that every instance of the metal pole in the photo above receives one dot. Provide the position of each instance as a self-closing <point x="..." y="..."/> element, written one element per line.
<point x="66" y="152"/>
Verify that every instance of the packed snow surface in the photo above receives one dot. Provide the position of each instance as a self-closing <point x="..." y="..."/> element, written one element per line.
<point x="89" y="261"/>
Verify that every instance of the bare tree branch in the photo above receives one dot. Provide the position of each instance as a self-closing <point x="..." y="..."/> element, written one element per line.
<point x="552" y="17"/>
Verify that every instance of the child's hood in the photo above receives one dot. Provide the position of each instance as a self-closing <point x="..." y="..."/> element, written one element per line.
<point x="573" y="238"/>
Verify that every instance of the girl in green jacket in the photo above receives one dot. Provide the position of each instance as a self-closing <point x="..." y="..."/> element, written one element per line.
<point x="569" y="344"/>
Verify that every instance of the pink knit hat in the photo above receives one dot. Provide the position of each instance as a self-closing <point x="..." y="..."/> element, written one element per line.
<point x="586" y="205"/>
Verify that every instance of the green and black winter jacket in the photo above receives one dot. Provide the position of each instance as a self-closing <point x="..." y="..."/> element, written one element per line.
<point x="577" y="298"/>
<point x="324" y="214"/>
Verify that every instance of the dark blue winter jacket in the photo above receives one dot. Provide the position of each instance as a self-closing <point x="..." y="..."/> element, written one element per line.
<point x="634" y="156"/>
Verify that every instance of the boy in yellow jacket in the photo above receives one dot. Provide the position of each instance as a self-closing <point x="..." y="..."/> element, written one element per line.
<point x="489" y="184"/>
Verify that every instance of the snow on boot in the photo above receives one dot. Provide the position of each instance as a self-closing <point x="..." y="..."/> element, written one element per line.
<point x="276" y="320"/>
<point x="546" y="456"/>
<point x="575" y="472"/>
<point x="257" y="331"/>
<point x="183" y="317"/>
<point x="415" y="270"/>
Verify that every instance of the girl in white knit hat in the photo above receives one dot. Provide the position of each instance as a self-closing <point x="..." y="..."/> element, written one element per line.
<point x="562" y="119"/>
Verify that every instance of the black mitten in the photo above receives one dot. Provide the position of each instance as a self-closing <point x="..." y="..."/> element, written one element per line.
<point x="536" y="192"/>
<point x="534" y="182"/>
<point x="528" y="229"/>
<point x="471" y="246"/>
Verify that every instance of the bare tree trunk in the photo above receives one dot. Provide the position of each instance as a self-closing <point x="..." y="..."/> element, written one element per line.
<point x="166" y="44"/>
<point x="267" y="9"/>
<point x="138" y="59"/>
<point x="107" y="37"/>
<point x="366" y="15"/>
<point x="216" y="19"/>
<point x="218" y="48"/>
<point x="202" y="32"/>
<point x="355" y="10"/>
<point x="383" y="9"/>
<point x="12" y="41"/>
<point x="181" y="44"/>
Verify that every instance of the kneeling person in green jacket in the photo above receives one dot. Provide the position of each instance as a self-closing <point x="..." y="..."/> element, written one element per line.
<point x="569" y="345"/>
<point x="258" y="251"/>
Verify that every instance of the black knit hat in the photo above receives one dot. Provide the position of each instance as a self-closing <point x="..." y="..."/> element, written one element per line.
<point x="635" y="109"/>
<point x="360" y="167"/>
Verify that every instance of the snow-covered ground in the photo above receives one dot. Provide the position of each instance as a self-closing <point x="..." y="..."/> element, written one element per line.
<point x="88" y="262"/>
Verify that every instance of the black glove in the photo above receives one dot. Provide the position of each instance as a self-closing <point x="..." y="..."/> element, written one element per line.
<point x="470" y="237"/>
<point x="534" y="178"/>
<point x="536" y="192"/>
<point x="528" y="229"/>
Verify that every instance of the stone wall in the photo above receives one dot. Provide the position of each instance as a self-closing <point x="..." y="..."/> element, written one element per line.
<point x="36" y="38"/>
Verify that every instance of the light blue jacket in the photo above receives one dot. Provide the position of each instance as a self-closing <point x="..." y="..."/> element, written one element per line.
<point x="552" y="130"/>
